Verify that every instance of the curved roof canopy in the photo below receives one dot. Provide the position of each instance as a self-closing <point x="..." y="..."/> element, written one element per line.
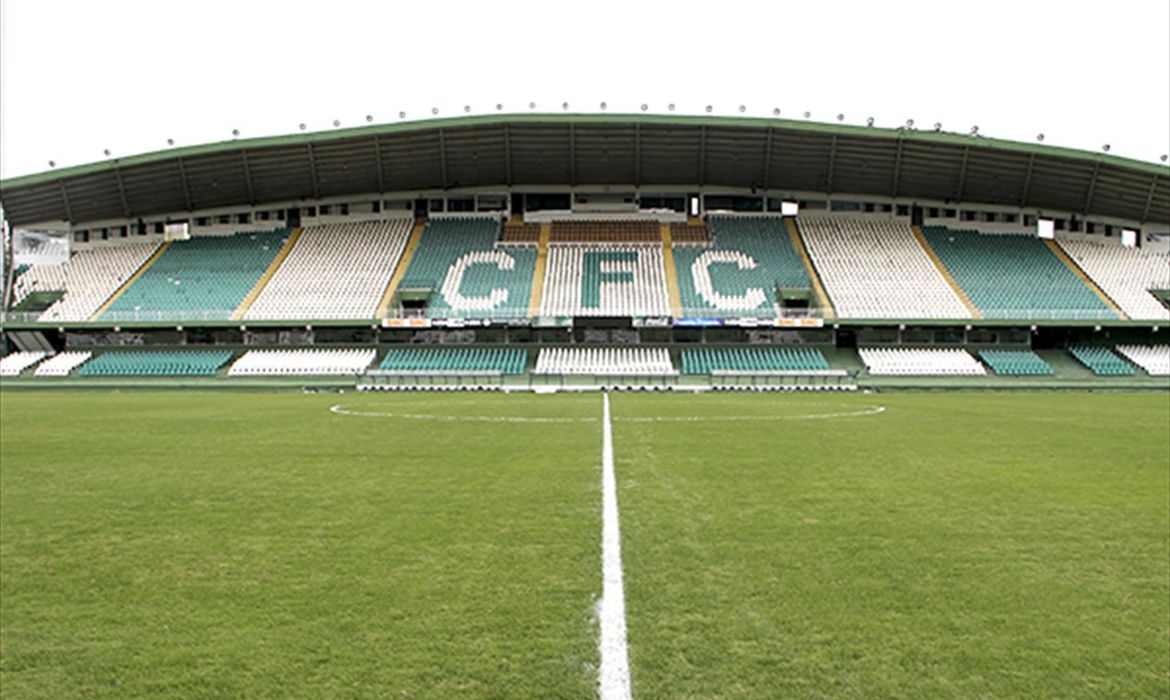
<point x="557" y="150"/>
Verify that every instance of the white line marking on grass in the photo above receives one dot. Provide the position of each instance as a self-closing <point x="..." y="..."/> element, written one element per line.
<point x="867" y="411"/>
<point x="614" y="677"/>
<point x="460" y="419"/>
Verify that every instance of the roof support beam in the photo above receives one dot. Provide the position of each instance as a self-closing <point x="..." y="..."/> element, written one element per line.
<point x="1149" y="199"/>
<point x="1027" y="180"/>
<point x="703" y="156"/>
<point x="247" y="177"/>
<point x="572" y="156"/>
<point x="897" y="168"/>
<point x="69" y="210"/>
<point x="313" y="173"/>
<point x="962" y="174"/>
<point x="186" y="187"/>
<point x="443" y="160"/>
<point x="507" y="156"/>
<point x="637" y="155"/>
<point x="767" y="174"/>
<point x="1092" y="186"/>
<point x="833" y="163"/>
<point x="122" y="192"/>
<point x="378" y="160"/>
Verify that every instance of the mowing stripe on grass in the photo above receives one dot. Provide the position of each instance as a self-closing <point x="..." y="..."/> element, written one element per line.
<point x="614" y="677"/>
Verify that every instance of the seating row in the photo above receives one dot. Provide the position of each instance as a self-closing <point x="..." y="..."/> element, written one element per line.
<point x="86" y="281"/>
<point x="155" y="363"/>
<point x="1154" y="359"/>
<point x="605" y="280"/>
<point x="1015" y="363"/>
<point x="1127" y="275"/>
<point x="453" y="360"/>
<point x="602" y="361"/>
<point x="1101" y="360"/>
<point x="302" y="362"/>
<point x="915" y="361"/>
<point x="753" y="360"/>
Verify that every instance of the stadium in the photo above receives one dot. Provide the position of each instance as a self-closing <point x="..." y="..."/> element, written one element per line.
<point x="353" y="412"/>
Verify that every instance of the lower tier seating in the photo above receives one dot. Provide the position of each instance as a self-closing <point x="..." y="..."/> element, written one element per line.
<point x="912" y="361"/>
<point x="1015" y="363"/>
<point x="62" y="364"/>
<point x="604" y="361"/>
<point x="1102" y="361"/>
<point x="302" y="362"/>
<point x="456" y="360"/>
<point x="754" y="360"/>
<point x="155" y="363"/>
<point x="12" y="365"/>
<point x="1154" y="359"/>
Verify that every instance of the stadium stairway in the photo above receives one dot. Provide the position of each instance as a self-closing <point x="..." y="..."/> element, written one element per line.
<point x="403" y="263"/>
<point x="536" y="296"/>
<point x="131" y="280"/>
<point x="818" y="287"/>
<point x="671" y="271"/>
<point x="268" y="275"/>
<point x="1083" y="277"/>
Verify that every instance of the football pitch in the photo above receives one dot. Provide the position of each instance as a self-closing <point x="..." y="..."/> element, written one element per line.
<point x="262" y="545"/>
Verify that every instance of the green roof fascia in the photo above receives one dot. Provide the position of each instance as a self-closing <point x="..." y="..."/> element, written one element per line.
<point x="927" y="137"/>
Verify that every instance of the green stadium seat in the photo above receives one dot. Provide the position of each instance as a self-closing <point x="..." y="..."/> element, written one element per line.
<point x="1015" y="363"/>
<point x="155" y="363"/>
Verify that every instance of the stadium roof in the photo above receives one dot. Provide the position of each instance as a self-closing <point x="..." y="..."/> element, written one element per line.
<point x="554" y="150"/>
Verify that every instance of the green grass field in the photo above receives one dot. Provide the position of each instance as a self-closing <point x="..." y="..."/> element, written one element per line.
<point x="223" y="545"/>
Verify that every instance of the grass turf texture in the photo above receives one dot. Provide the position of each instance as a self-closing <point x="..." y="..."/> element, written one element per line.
<point x="244" y="545"/>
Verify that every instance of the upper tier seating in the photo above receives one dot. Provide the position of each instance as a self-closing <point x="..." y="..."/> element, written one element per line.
<point x="456" y="360"/>
<point x="754" y="361"/>
<point x="689" y="234"/>
<point x="61" y="365"/>
<point x="654" y="361"/>
<point x="1014" y="276"/>
<point x="12" y="365"/>
<point x="457" y="259"/>
<point x="1102" y="361"/>
<point x="87" y="280"/>
<point x="911" y="361"/>
<point x="302" y="362"/>
<point x="526" y="234"/>
<point x="1154" y="359"/>
<point x="1015" y="363"/>
<point x="336" y="271"/>
<point x="875" y="268"/>
<point x="749" y="258"/>
<point x="605" y="232"/>
<point x="202" y="278"/>
<point x="155" y="363"/>
<point x="1126" y="275"/>
<point x="605" y="281"/>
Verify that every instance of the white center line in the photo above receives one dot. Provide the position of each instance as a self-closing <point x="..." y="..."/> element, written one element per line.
<point x="614" y="676"/>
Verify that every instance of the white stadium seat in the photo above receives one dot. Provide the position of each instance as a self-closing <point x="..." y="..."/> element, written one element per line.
<point x="302" y="362"/>
<point x="1154" y="359"/>
<point x="913" y="361"/>
<point x="12" y="365"/>
<point x="1126" y="275"/>
<point x="877" y="269"/>
<point x="61" y="365"/>
<point x="87" y="280"/>
<point x="654" y="361"/>
<point x="629" y="280"/>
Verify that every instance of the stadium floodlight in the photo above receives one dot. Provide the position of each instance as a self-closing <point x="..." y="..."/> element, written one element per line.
<point x="369" y="119"/>
<point x="869" y="121"/>
<point x="565" y="106"/>
<point x="645" y="106"/>
<point x="301" y="126"/>
<point x="671" y="108"/>
<point x="434" y="110"/>
<point x="170" y="142"/>
<point x="336" y="123"/>
<point x="742" y="109"/>
<point x="531" y="105"/>
<point x="603" y="106"/>
<point x="52" y="164"/>
<point x="709" y="108"/>
<point x="909" y="123"/>
<point x="775" y="111"/>
<point x="235" y="133"/>
<point x="1040" y="136"/>
<point x="106" y="152"/>
<point x="499" y="107"/>
<point x="975" y="130"/>
<point x="807" y="115"/>
<point x="937" y="127"/>
<point x="1105" y="148"/>
<point x="1165" y="157"/>
<point x="840" y="117"/>
<point x="402" y="115"/>
<point x="467" y="109"/>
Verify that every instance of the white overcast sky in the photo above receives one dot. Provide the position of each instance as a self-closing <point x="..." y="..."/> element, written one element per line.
<point x="82" y="76"/>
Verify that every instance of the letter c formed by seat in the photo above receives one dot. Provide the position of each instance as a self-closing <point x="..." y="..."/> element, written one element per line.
<point x="454" y="280"/>
<point x="701" y="276"/>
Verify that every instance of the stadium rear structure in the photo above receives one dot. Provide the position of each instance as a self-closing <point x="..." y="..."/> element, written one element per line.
<point x="550" y="252"/>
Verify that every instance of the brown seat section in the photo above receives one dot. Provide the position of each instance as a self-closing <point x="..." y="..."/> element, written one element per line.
<point x="688" y="233"/>
<point x="525" y="233"/>
<point x="605" y="232"/>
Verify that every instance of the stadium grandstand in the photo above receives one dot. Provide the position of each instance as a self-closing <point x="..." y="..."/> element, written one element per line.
<point x="683" y="250"/>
